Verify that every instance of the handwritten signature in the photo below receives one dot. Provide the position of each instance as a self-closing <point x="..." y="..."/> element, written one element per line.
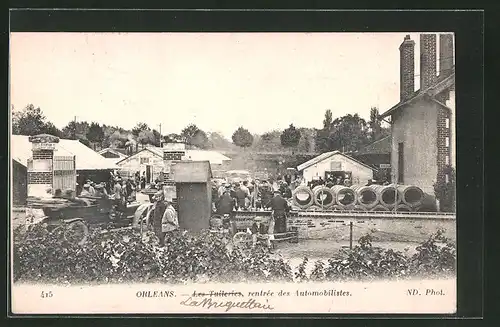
<point x="208" y="303"/>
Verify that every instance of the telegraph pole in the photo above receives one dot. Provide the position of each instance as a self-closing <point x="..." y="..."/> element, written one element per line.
<point x="74" y="128"/>
<point x="161" y="139"/>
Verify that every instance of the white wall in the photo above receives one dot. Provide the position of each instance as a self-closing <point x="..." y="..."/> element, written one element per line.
<point x="133" y="163"/>
<point x="360" y="173"/>
<point x="416" y="127"/>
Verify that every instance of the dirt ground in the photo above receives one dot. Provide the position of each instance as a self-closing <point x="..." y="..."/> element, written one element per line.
<point x="324" y="249"/>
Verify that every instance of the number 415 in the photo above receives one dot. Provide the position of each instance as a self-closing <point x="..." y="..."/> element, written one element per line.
<point x="46" y="294"/>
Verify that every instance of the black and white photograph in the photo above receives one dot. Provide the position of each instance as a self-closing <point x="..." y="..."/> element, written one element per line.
<point x="220" y="173"/>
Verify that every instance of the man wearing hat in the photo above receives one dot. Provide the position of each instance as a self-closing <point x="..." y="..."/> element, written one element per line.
<point x="280" y="209"/>
<point x="225" y="206"/>
<point x="158" y="212"/>
<point x="169" y="221"/>
<point x="259" y="230"/>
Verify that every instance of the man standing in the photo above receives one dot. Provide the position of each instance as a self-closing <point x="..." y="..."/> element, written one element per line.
<point x="169" y="222"/>
<point x="158" y="212"/>
<point x="241" y="197"/>
<point x="280" y="210"/>
<point x="225" y="206"/>
<point x="285" y="190"/>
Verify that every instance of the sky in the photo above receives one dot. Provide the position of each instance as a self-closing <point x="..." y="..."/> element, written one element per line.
<point x="219" y="81"/>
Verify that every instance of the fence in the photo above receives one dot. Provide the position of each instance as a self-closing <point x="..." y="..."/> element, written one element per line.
<point x="64" y="173"/>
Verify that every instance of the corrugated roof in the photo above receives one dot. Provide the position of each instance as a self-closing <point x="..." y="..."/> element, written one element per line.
<point x="327" y="155"/>
<point x="86" y="158"/>
<point x="214" y="157"/>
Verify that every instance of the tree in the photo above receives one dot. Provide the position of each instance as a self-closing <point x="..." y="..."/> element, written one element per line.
<point x="146" y="137"/>
<point x="50" y="128"/>
<point x="290" y="137"/>
<point x="76" y="130"/>
<point x="95" y="134"/>
<point x="347" y="133"/>
<point x="156" y="138"/>
<point x="327" y="122"/>
<point x="195" y="136"/>
<point x="31" y="121"/>
<point x="218" y="141"/>
<point x="242" y="137"/>
<point x="118" y="139"/>
<point x="173" y="138"/>
<point x="139" y="128"/>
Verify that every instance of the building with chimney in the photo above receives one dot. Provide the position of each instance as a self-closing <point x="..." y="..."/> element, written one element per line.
<point x="423" y="121"/>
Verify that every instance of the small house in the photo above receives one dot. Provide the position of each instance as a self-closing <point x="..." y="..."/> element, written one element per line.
<point x="194" y="193"/>
<point x="336" y="163"/>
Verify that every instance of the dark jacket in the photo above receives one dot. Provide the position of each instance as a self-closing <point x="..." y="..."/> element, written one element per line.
<point x="225" y="204"/>
<point x="266" y="196"/>
<point x="279" y="205"/>
<point x="240" y="196"/>
<point x="262" y="229"/>
<point x="286" y="192"/>
<point x="159" y="210"/>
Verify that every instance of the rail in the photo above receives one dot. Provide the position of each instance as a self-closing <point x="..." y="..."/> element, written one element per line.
<point x="376" y="214"/>
<point x="241" y="215"/>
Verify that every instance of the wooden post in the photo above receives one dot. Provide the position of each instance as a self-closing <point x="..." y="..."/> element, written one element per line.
<point x="141" y="224"/>
<point x="350" y="235"/>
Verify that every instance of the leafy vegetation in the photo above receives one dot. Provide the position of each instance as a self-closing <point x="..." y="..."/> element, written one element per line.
<point x="242" y="137"/>
<point x="349" y="133"/>
<point x="122" y="256"/>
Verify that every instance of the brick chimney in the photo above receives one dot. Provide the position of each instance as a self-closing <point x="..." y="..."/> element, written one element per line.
<point x="428" y="75"/>
<point x="445" y="55"/>
<point x="406" y="68"/>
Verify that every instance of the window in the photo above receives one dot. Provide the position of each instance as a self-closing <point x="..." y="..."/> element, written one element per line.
<point x="447" y="122"/>
<point x="401" y="163"/>
<point x="447" y="160"/>
<point x="446" y="178"/>
<point x="336" y="166"/>
<point x="447" y="141"/>
<point x="144" y="161"/>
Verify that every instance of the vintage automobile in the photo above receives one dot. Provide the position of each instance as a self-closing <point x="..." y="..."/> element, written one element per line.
<point x="75" y="214"/>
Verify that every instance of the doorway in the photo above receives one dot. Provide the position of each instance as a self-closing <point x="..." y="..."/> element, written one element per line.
<point x="148" y="173"/>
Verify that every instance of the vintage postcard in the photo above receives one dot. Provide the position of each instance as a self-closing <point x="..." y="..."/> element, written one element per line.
<point x="233" y="173"/>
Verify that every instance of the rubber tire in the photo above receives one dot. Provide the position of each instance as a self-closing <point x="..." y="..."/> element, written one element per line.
<point x="84" y="228"/>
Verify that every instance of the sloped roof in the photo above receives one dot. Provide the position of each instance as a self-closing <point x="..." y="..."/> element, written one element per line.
<point x="382" y="146"/>
<point x="114" y="151"/>
<point x="214" y="157"/>
<point x="86" y="158"/>
<point x="325" y="156"/>
<point x="427" y="94"/>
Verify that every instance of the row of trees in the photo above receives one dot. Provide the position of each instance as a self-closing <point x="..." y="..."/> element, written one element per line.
<point x="347" y="133"/>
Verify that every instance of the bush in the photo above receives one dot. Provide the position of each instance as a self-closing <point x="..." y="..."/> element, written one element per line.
<point x="122" y="256"/>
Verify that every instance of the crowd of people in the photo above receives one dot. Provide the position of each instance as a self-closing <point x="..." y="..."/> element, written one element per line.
<point x="273" y="195"/>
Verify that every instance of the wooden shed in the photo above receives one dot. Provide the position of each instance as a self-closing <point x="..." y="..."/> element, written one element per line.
<point x="194" y="194"/>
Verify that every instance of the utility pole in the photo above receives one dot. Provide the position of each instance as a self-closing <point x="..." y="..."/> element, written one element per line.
<point x="74" y="128"/>
<point x="161" y="138"/>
